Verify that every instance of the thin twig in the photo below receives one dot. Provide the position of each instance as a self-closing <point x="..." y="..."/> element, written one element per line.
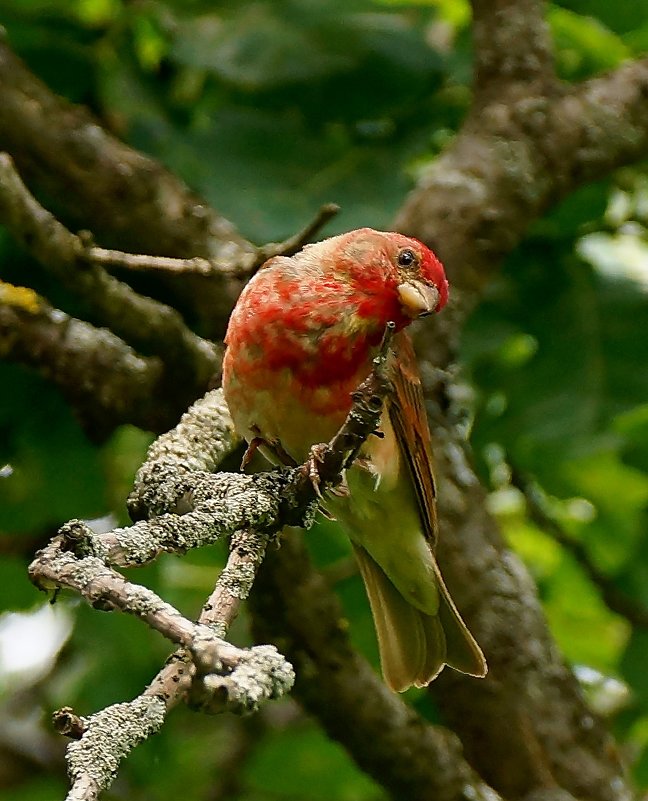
<point x="209" y="268"/>
<point x="296" y="242"/>
<point x="141" y="262"/>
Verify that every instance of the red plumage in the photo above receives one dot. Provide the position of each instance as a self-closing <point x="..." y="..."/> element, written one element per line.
<point x="299" y="342"/>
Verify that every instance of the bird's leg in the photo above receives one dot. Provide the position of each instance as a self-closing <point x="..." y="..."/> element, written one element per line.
<point x="274" y="446"/>
<point x="311" y="469"/>
<point x="253" y="446"/>
<point x="312" y="466"/>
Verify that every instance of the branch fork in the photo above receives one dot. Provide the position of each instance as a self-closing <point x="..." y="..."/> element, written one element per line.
<point x="183" y="504"/>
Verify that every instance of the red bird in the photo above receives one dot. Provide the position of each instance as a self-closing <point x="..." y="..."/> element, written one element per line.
<point x="299" y="342"/>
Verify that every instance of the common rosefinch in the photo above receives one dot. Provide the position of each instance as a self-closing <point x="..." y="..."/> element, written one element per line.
<point x="299" y="342"/>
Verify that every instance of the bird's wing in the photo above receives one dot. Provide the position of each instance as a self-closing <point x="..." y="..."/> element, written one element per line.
<point x="409" y="419"/>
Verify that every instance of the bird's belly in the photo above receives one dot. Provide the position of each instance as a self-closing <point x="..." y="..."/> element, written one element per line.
<point x="282" y="411"/>
<point x="384" y="519"/>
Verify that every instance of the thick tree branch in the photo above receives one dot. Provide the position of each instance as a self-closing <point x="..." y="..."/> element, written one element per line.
<point x="512" y="46"/>
<point x="517" y="153"/>
<point x="130" y="199"/>
<point x="118" y="385"/>
<point x="294" y="607"/>
<point x="610" y="115"/>
<point x="150" y="326"/>
<point x="126" y="199"/>
<point x="526" y="725"/>
<point x="513" y="158"/>
<point x="187" y="362"/>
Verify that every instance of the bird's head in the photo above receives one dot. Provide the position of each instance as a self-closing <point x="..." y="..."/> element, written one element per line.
<point x="392" y="263"/>
<point x="422" y="284"/>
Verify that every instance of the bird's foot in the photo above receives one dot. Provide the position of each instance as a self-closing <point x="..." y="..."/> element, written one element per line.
<point x="365" y="463"/>
<point x="272" y="445"/>
<point x="253" y="446"/>
<point x="312" y="466"/>
<point x="342" y="489"/>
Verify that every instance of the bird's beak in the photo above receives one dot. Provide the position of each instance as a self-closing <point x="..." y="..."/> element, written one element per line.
<point x="418" y="298"/>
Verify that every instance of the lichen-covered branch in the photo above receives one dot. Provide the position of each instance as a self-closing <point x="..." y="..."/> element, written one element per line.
<point x="206" y="671"/>
<point x="160" y="484"/>
<point x="102" y="740"/>
<point x="57" y="565"/>
<point x="94" y="758"/>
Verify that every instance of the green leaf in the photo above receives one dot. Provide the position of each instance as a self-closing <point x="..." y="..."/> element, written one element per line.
<point x="619" y="17"/>
<point x="319" y="769"/>
<point x="38" y="789"/>
<point x="633" y="427"/>
<point x="256" y="49"/>
<point x="16" y="590"/>
<point x="54" y="472"/>
<point x="584" y="45"/>
<point x="586" y="631"/>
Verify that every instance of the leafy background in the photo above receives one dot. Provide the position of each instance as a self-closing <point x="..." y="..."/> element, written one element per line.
<point x="270" y="109"/>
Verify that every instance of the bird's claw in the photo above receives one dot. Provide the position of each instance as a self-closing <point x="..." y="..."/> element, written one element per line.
<point x="253" y="446"/>
<point x="273" y="445"/>
<point x="342" y="489"/>
<point x="312" y="466"/>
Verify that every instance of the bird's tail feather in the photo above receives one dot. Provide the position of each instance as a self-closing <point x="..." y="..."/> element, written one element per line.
<point x="462" y="652"/>
<point x="415" y="646"/>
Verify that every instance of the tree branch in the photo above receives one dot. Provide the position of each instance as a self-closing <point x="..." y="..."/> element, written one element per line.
<point x="294" y="607"/>
<point x="517" y="153"/>
<point x="207" y="670"/>
<point x="130" y="199"/>
<point x="609" y="115"/>
<point x="209" y="268"/>
<point x="188" y="362"/>
<point x="512" y="46"/>
<point x="513" y="158"/>
<point x="527" y="725"/>
<point x="118" y="386"/>
<point x="150" y="326"/>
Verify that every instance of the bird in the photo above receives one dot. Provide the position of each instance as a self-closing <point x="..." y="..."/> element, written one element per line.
<point x="300" y="340"/>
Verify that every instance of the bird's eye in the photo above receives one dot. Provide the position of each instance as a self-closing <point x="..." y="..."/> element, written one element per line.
<point x="406" y="258"/>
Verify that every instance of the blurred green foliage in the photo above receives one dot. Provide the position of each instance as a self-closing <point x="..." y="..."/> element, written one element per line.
<point x="270" y="109"/>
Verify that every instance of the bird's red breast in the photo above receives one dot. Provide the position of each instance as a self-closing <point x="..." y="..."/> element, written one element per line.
<point x="299" y="342"/>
